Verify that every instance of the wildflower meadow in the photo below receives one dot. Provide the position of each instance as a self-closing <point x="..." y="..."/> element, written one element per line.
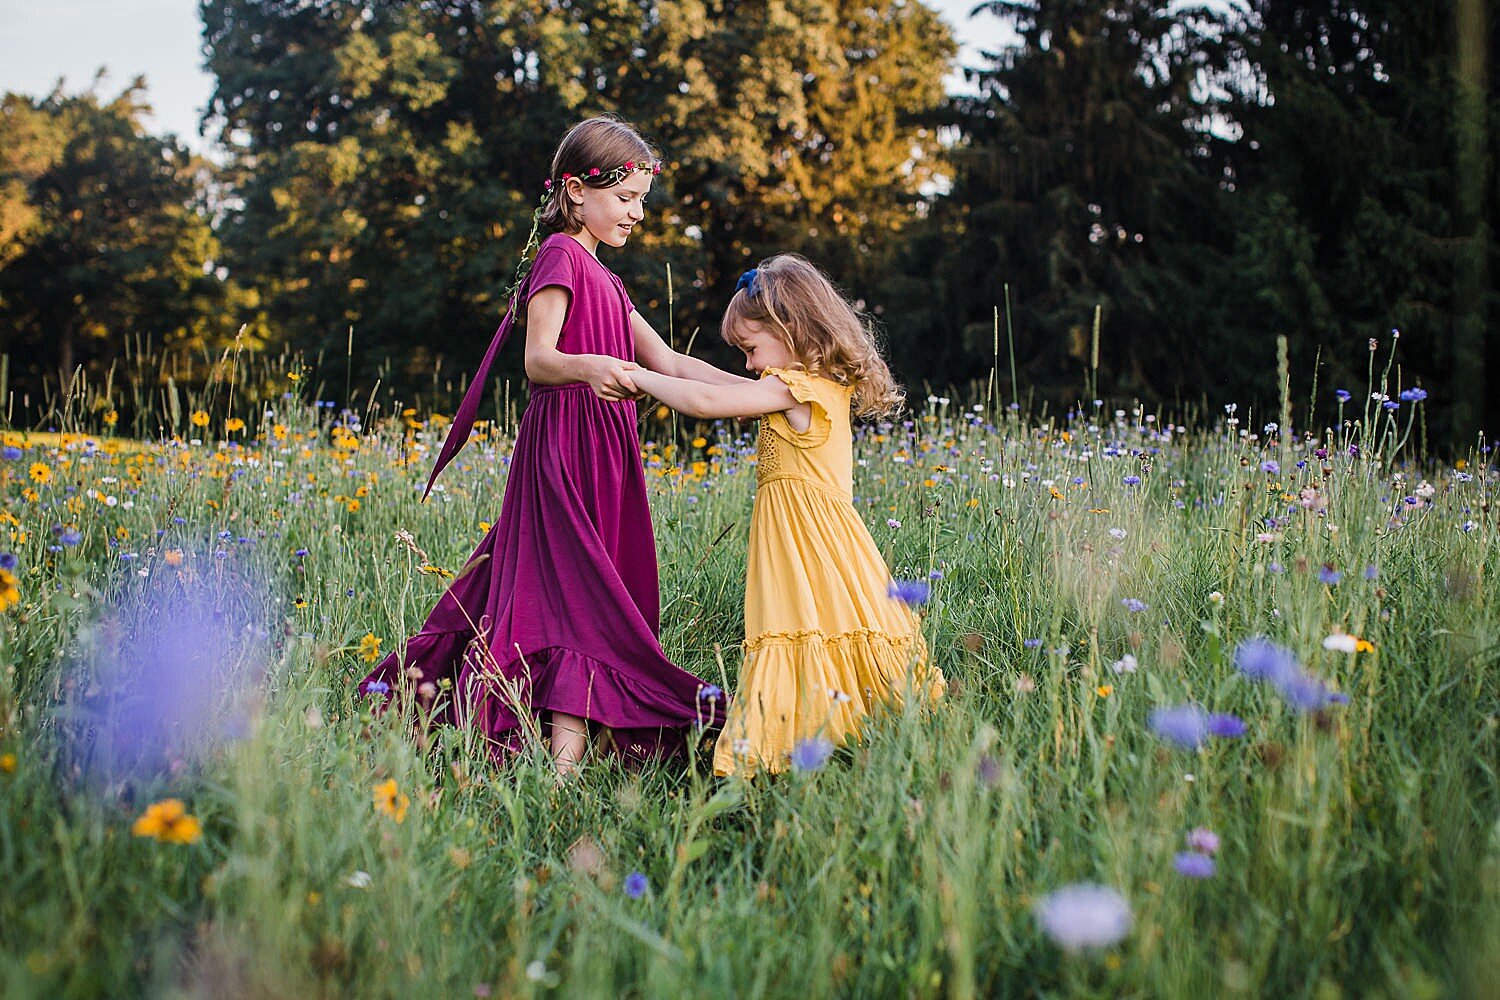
<point x="1222" y="717"/>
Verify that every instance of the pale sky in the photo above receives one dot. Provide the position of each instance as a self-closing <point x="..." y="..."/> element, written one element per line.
<point x="44" y="40"/>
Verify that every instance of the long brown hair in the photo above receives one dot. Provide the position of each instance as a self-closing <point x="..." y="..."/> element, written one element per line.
<point x="828" y="336"/>
<point x="600" y="152"/>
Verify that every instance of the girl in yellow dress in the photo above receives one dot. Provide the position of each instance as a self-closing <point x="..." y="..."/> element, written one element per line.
<point x="825" y="639"/>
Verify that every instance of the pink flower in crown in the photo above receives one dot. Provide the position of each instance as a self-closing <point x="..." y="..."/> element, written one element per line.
<point x="547" y="184"/>
<point x="629" y="164"/>
<point x="593" y="171"/>
<point x="655" y="168"/>
<point x="567" y="177"/>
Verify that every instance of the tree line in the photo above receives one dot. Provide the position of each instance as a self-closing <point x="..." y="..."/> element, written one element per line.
<point x="1134" y="199"/>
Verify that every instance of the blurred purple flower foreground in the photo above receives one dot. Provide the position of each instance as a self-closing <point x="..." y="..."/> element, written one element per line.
<point x="1260" y="659"/>
<point x="166" y="674"/>
<point x="1084" y="916"/>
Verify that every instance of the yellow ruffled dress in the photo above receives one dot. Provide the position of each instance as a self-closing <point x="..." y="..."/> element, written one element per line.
<point x="824" y="640"/>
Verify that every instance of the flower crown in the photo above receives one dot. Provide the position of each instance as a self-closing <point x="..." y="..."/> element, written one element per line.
<point x="597" y="177"/>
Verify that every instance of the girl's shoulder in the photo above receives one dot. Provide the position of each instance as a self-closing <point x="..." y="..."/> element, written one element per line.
<point x="800" y="381"/>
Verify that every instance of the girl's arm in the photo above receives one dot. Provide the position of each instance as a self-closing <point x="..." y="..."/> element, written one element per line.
<point x="652" y="352"/>
<point x="546" y="365"/>
<point x="748" y="398"/>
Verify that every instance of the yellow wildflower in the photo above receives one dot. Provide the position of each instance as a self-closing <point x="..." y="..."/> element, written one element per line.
<point x="40" y="473"/>
<point x="7" y="763"/>
<point x="389" y="801"/>
<point x="169" y="823"/>
<point x="278" y="431"/>
<point x="10" y="590"/>
<point x="293" y="376"/>
<point x="234" y="424"/>
<point x="699" y="442"/>
<point x="1104" y="690"/>
<point x="111" y="418"/>
<point x="369" y="647"/>
<point x="352" y="504"/>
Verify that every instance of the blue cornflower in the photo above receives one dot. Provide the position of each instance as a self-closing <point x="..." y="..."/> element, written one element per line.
<point x="1391" y="404"/>
<point x="1133" y="605"/>
<point x="636" y="885"/>
<point x="809" y="755"/>
<point x="1329" y="575"/>
<point x="300" y="553"/>
<point x="69" y="537"/>
<point x="710" y="692"/>
<point x="1131" y="480"/>
<point x="1226" y="726"/>
<point x="1031" y="643"/>
<point x="1371" y="572"/>
<point x="1414" y="395"/>
<point x="10" y="453"/>
<point x="910" y="592"/>
<point x="377" y="687"/>
<point x="1185" y="725"/>
<point x="934" y="575"/>
<point x="1308" y="694"/>
<point x="1343" y="395"/>
<point x="1084" y="916"/>
<point x="1261" y="659"/>
<point x="1271" y="465"/>
<point x="1193" y="864"/>
<point x="7" y="560"/>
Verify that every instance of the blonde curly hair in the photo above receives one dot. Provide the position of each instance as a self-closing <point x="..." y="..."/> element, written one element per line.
<point x="828" y="336"/>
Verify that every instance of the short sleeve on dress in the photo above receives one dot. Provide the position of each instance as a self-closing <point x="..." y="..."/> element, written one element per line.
<point x="553" y="266"/>
<point x="805" y="388"/>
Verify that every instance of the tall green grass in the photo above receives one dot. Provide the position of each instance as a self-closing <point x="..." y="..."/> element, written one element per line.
<point x="1361" y="851"/>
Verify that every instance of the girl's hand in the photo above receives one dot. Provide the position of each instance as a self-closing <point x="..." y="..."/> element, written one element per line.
<point x="609" y="379"/>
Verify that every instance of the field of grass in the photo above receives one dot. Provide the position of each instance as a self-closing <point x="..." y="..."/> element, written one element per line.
<point x="185" y="618"/>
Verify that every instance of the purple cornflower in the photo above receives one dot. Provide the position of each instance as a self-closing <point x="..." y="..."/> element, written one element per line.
<point x="1343" y="395"/>
<point x="1133" y="605"/>
<point x="910" y="592"/>
<point x="1226" y="726"/>
<point x="1329" y="575"/>
<point x="1414" y="395"/>
<point x="1270" y="465"/>
<point x="636" y="885"/>
<point x="1261" y="659"/>
<point x="1131" y="480"/>
<point x="710" y="692"/>
<point x="1084" y="916"/>
<point x="7" y="560"/>
<point x="1031" y="643"/>
<point x="809" y="755"/>
<point x="1308" y="694"/>
<point x="1185" y="725"/>
<point x="1203" y="840"/>
<point x="1193" y="864"/>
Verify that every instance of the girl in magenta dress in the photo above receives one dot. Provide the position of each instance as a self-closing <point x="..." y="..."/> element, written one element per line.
<point x="551" y="629"/>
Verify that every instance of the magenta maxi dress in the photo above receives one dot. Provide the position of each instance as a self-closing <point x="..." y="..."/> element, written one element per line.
<point x="558" y="608"/>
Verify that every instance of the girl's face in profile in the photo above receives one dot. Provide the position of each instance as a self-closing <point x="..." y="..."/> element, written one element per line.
<point x="610" y="214"/>
<point x="762" y="348"/>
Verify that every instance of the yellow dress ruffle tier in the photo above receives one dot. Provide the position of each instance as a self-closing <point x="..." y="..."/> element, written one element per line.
<point x="825" y="643"/>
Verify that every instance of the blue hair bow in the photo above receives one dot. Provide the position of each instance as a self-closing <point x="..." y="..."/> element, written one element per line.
<point x="747" y="281"/>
